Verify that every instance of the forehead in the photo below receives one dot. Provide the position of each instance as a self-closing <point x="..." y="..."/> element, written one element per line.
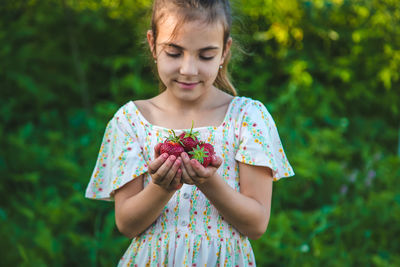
<point x="191" y="34"/>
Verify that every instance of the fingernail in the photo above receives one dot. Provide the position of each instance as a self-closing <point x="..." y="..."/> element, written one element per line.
<point x="172" y="157"/>
<point x="165" y="155"/>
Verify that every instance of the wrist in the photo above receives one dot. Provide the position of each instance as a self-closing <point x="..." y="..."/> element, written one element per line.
<point x="208" y="182"/>
<point x="158" y="189"/>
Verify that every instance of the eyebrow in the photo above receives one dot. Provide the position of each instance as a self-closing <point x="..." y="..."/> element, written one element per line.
<point x="211" y="47"/>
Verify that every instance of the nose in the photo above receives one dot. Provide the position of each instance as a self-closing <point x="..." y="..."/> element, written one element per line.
<point x="188" y="66"/>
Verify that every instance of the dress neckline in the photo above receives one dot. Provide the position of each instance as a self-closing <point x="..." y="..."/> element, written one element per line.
<point x="146" y="122"/>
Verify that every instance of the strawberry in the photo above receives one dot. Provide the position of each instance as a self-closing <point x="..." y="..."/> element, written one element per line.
<point x="201" y="155"/>
<point x="207" y="146"/>
<point x="172" y="146"/>
<point x="189" y="139"/>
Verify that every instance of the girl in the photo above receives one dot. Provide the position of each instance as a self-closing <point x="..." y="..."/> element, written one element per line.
<point x="177" y="212"/>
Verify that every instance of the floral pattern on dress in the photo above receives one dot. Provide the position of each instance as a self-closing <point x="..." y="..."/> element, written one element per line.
<point x="260" y="143"/>
<point x="189" y="230"/>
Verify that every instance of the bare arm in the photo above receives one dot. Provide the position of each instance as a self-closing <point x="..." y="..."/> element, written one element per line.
<point x="247" y="210"/>
<point x="136" y="208"/>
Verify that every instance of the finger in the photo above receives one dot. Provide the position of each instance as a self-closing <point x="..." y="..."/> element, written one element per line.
<point x="178" y="176"/>
<point x="157" y="150"/>
<point x="177" y="182"/>
<point x="187" y="181"/>
<point x="185" y="176"/>
<point x="216" y="161"/>
<point x="198" y="168"/>
<point x="157" y="163"/>
<point x="162" y="171"/>
<point x="179" y="186"/>
<point x="169" y="176"/>
<point x="188" y="166"/>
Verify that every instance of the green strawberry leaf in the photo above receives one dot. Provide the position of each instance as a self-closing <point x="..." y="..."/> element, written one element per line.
<point x="199" y="154"/>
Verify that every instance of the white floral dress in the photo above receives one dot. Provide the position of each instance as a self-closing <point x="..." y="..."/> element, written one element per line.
<point x="189" y="231"/>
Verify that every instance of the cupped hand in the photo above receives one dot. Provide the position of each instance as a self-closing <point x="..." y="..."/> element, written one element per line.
<point x="195" y="173"/>
<point x="165" y="170"/>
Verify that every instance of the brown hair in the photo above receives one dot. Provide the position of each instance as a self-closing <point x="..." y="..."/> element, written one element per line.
<point x="190" y="10"/>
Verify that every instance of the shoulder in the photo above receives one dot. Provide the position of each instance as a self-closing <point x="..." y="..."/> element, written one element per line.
<point x="143" y="105"/>
<point x="124" y="118"/>
<point x="253" y="114"/>
<point x="124" y="112"/>
<point x="249" y="102"/>
<point x="221" y="100"/>
<point x="148" y="108"/>
<point x="246" y="106"/>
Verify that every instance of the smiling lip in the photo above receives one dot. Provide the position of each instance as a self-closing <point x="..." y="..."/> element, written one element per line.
<point x="187" y="85"/>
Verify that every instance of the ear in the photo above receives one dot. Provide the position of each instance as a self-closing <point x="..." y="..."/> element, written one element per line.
<point x="227" y="49"/>
<point x="150" y="40"/>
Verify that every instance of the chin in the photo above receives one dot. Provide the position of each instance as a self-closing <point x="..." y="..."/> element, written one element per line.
<point x="188" y="95"/>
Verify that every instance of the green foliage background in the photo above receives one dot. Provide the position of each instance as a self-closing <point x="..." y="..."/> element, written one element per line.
<point x="327" y="70"/>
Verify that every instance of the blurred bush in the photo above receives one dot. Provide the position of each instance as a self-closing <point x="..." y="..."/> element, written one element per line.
<point x="328" y="71"/>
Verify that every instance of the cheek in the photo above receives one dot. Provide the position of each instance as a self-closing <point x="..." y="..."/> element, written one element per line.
<point x="210" y="72"/>
<point x="166" y="69"/>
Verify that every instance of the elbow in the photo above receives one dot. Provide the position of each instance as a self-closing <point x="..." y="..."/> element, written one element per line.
<point x="125" y="230"/>
<point x="258" y="230"/>
<point x="128" y="233"/>
<point x="254" y="235"/>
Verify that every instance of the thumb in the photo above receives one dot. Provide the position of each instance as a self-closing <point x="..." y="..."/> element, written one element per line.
<point x="216" y="161"/>
<point x="157" y="150"/>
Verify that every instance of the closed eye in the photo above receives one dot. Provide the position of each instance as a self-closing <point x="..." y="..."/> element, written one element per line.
<point x="176" y="55"/>
<point x="173" y="55"/>
<point x="206" y="58"/>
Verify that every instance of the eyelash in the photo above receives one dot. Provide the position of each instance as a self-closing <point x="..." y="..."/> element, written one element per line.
<point x="178" y="55"/>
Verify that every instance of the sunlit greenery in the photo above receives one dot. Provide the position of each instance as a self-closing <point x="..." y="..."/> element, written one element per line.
<point x="328" y="71"/>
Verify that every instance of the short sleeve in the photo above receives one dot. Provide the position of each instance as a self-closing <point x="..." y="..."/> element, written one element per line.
<point x="119" y="161"/>
<point x="259" y="142"/>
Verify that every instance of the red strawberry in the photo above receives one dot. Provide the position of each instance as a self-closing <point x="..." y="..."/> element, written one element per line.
<point x="201" y="155"/>
<point x="172" y="146"/>
<point x="209" y="147"/>
<point x="189" y="139"/>
<point x="188" y="142"/>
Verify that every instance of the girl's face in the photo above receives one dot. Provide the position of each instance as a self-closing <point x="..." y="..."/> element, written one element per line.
<point x="188" y="63"/>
